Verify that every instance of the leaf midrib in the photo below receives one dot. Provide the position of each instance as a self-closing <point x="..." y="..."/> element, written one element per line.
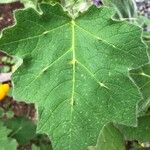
<point x="73" y="79"/>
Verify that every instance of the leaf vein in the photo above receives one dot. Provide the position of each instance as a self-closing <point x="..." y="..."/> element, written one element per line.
<point x="36" y="36"/>
<point x="104" y="41"/>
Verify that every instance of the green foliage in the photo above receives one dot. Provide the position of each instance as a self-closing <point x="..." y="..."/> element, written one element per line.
<point x="76" y="71"/>
<point x="140" y="133"/>
<point x="141" y="76"/>
<point x="34" y="147"/>
<point x="6" y="143"/>
<point x="110" y="138"/>
<point x="23" y="129"/>
<point x="123" y="8"/>
<point x="143" y="20"/>
<point x="127" y="9"/>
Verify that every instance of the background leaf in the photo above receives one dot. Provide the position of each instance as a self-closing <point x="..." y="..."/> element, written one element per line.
<point x="140" y="133"/>
<point x="123" y="8"/>
<point x="34" y="147"/>
<point x="141" y="76"/>
<point x="110" y="138"/>
<point x="6" y="143"/>
<point x="22" y="129"/>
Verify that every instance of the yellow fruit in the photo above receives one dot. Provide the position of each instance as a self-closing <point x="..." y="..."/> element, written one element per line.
<point x="4" y="89"/>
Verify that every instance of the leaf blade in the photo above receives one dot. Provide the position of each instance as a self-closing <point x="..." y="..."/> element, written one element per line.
<point x="87" y="66"/>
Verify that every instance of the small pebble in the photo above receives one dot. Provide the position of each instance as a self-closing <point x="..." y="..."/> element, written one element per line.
<point x="97" y="2"/>
<point x="143" y="7"/>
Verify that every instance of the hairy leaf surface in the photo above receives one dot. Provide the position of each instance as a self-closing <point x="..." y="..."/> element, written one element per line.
<point x="124" y="8"/>
<point x="76" y="71"/>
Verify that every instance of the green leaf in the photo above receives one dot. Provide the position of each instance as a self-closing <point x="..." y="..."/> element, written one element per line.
<point x="141" y="76"/>
<point x="124" y="8"/>
<point x="148" y="44"/>
<point x="76" y="71"/>
<point x="34" y="147"/>
<point x="140" y="133"/>
<point x="1" y="113"/>
<point x="110" y="138"/>
<point x="6" y="143"/>
<point x="22" y="129"/>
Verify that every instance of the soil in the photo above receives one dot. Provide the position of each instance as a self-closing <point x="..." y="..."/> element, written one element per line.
<point x="6" y="13"/>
